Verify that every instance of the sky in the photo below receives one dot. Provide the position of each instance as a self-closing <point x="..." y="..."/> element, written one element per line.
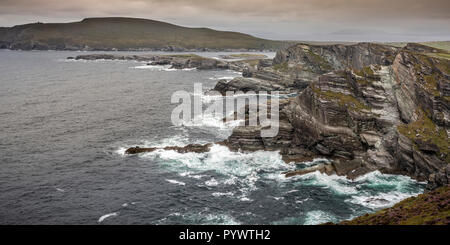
<point x="320" y="20"/>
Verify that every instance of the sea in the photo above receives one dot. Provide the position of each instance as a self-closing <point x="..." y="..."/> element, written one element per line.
<point x="65" y="125"/>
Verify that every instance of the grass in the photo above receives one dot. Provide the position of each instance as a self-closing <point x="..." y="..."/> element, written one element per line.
<point x="439" y="55"/>
<point x="320" y="61"/>
<point x="444" y="45"/>
<point x="430" y="81"/>
<point x="282" y="67"/>
<point x="432" y="208"/>
<point x="344" y="100"/>
<point x="425" y="129"/>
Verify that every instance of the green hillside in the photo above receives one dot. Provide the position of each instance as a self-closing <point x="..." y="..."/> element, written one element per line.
<point x="123" y="34"/>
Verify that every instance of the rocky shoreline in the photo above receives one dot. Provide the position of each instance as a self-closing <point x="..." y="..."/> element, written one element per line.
<point x="365" y="107"/>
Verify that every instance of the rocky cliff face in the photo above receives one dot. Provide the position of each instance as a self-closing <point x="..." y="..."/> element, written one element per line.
<point x="391" y="115"/>
<point x="296" y="67"/>
<point x="365" y="107"/>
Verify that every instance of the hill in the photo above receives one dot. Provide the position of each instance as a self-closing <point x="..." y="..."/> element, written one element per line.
<point x="117" y="33"/>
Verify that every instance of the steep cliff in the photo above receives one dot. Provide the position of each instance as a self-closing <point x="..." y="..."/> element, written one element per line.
<point x="380" y="108"/>
<point x="296" y="67"/>
<point x="394" y="118"/>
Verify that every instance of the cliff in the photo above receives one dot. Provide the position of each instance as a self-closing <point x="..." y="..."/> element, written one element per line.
<point x="371" y="107"/>
<point x="389" y="112"/>
<point x="297" y="66"/>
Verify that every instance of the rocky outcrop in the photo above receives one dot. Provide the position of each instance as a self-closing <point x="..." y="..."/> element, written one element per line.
<point x="180" y="61"/>
<point x="197" y="148"/>
<point x="325" y="58"/>
<point x="247" y="84"/>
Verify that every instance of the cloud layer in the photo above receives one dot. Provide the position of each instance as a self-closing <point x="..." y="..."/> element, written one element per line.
<point x="276" y="19"/>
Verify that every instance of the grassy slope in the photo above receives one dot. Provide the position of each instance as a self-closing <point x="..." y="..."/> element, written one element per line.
<point x="432" y="208"/>
<point x="123" y="33"/>
<point x="445" y="45"/>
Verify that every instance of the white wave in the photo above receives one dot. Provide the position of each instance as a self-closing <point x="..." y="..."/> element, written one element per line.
<point x="245" y="199"/>
<point x="302" y="201"/>
<point x="212" y="182"/>
<point x="219" y="194"/>
<point x="153" y="67"/>
<point x="373" y="190"/>
<point x="234" y="168"/>
<point x="291" y="191"/>
<point x="315" y="161"/>
<point x="384" y="190"/>
<point x="318" y="217"/>
<point x="189" y="69"/>
<point x="278" y="198"/>
<point x="203" y="218"/>
<point x="223" y="77"/>
<point x="381" y="200"/>
<point x="121" y="151"/>
<point x="176" y="182"/>
<point x="161" y="68"/>
<point x="340" y="185"/>
<point x="102" y="218"/>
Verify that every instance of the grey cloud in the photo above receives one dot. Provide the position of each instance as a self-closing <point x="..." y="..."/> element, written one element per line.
<point x="284" y="19"/>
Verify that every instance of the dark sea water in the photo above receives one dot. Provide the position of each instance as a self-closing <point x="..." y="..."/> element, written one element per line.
<point x="64" y="126"/>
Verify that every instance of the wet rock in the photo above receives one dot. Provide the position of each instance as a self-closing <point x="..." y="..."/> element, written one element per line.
<point x="197" y="148"/>
<point x="323" y="168"/>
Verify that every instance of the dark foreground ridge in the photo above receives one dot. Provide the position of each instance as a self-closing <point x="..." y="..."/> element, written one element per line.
<point x="432" y="208"/>
<point x="117" y="33"/>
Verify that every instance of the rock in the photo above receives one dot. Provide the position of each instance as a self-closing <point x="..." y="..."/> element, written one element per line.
<point x="325" y="58"/>
<point x="246" y="72"/>
<point x="246" y="85"/>
<point x="137" y="150"/>
<point x="176" y="61"/>
<point x="197" y="148"/>
<point x="323" y="168"/>
<point x="370" y="138"/>
<point x="426" y="146"/>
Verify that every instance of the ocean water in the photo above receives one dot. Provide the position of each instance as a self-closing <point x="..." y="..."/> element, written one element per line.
<point x="64" y="126"/>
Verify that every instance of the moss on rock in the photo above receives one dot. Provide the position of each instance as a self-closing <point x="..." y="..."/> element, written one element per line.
<point x="344" y="100"/>
<point x="426" y="130"/>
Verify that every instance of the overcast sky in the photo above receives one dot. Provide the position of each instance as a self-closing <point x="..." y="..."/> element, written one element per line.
<point x="350" y="20"/>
